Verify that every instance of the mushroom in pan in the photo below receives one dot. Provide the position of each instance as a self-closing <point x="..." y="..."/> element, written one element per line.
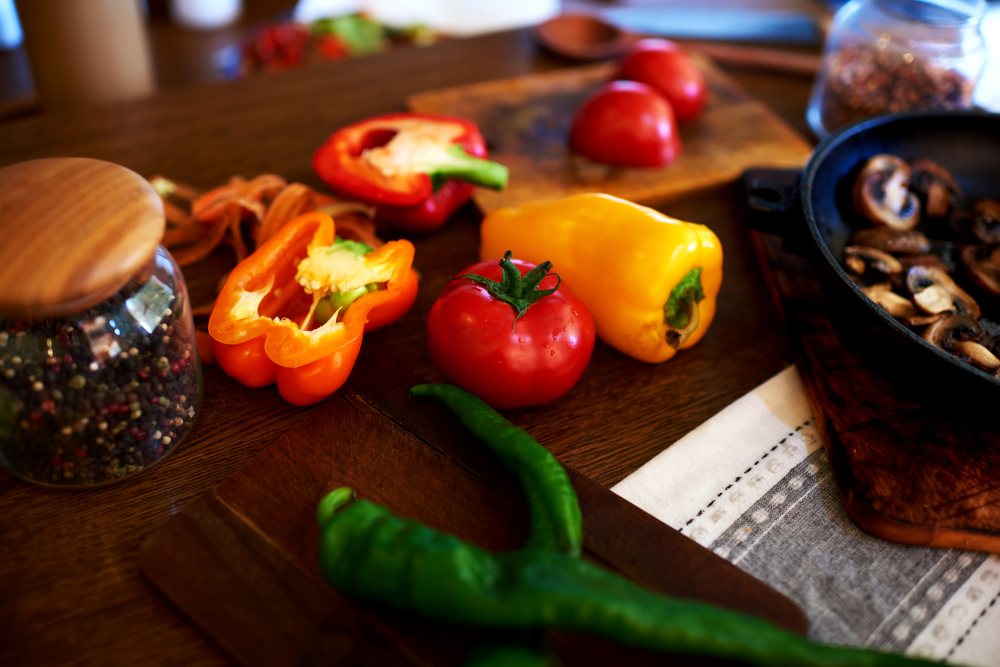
<point x="896" y="241"/>
<point x="982" y="263"/>
<point x="924" y="260"/>
<point x="977" y="355"/>
<point x="986" y="220"/>
<point x="881" y="193"/>
<point x="938" y="187"/>
<point x="951" y="329"/>
<point x="935" y="292"/>
<point x="895" y="305"/>
<point x="962" y="336"/>
<point x="862" y="259"/>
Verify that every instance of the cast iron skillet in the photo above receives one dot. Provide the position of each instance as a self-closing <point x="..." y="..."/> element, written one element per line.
<point x="812" y="211"/>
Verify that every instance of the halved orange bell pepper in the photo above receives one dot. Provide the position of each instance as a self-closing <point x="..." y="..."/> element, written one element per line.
<point x="265" y="326"/>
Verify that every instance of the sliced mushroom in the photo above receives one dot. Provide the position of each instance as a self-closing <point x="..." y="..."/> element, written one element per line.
<point x="938" y="186"/>
<point x="976" y="354"/>
<point x="896" y="241"/>
<point x="923" y="320"/>
<point x="881" y="193"/>
<point x="982" y="263"/>
<point x="892" y="303"/>
<point x="986" y="220"/>
<point x="923" y="260"/>
<point x="944" y="333"/>
<point x="862" y="259"/>
<point x="934" y="292"/>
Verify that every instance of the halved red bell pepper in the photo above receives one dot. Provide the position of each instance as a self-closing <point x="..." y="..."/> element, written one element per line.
<point x="416" y="169"/>
<point x="265" y="327"/>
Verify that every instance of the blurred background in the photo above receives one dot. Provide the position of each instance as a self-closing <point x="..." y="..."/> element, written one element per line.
<point x="168" y="44"/>
<point x="63" y="53"/>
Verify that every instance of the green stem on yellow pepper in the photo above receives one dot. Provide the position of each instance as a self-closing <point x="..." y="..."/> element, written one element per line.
<point x="680" y="312"/>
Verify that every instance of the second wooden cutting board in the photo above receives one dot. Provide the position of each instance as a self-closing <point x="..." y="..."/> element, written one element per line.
<point x="526" y="121"/>
<point x="242" y="561"/>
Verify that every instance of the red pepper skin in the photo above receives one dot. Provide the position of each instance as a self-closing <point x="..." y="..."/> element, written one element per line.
<point x="407" y="204"/>
<point x="246" y="362"/>
<point x="429" y="215"/>
<point x="315" y="381"/>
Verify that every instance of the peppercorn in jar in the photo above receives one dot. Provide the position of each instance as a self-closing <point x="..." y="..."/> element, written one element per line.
<point x="99" y="371"/>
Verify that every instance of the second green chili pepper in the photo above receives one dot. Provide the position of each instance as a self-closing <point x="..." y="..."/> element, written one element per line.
<point x="556" y="524"/>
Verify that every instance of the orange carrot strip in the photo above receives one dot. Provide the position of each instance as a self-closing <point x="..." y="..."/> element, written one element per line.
<point x="175" y="215"/>
<point x="236" y="233"/>
<point x="291" y="202"/>
<point x="358" y="228"/>
<point x="246" y="193"/>
<point x="182" y="236"/>
<point x="166" y="186"/>
<point x="216" y="195"/>
<point x="204" y="247"/>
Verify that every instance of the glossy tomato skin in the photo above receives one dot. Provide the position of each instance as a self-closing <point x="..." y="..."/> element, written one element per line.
<point x="476" y="344"/>
<point x="628" y="124"/>
<point x="663" y="65"/>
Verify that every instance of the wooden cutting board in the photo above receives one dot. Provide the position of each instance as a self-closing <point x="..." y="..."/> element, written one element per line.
<point x="526" y="121"/>
<point x="909" y="469"/>
<point x="241" y="561"/>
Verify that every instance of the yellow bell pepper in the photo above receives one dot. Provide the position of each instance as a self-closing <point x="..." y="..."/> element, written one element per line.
<point x="649" y="280"/>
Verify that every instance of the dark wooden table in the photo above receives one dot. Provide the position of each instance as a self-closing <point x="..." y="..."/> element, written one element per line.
<point x="70" y="587"/>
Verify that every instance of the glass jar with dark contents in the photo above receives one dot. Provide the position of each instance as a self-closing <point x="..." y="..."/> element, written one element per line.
<point x="887" y="56"/>
<point x="99" y="371"/>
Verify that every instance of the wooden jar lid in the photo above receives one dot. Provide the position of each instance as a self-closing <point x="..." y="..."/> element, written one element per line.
<point x="73" y="230"/>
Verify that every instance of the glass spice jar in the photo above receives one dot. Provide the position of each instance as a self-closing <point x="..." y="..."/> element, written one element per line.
<point x="99" y="371"/>
<point x="887" y="56"/>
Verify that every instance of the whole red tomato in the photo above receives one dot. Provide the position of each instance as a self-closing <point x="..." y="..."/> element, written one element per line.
<point x="628" y="124"/>
<point x="476" y="343"/>
<point x="669" y="69"/>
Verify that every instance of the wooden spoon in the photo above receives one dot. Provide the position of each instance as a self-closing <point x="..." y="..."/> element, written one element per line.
<point x="74" y="231"/>
<point x="584" y="37"/>
<point x="589" y="37"/>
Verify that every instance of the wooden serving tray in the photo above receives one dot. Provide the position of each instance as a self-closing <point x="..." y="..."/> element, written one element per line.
<point x="241" y="562"/>
<point x="526" y="121"/>
<point x="909" y="469"/>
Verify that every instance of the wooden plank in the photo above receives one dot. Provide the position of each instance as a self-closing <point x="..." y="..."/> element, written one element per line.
<point x="909" y="469"/>
<point x="526" y="121"/>
<point x="242" y="562"/>
<point x="251" y="599"/>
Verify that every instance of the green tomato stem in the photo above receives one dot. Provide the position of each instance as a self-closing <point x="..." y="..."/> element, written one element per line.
<point x="517" y="291"/>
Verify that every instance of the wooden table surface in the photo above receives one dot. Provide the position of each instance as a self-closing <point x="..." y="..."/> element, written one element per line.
<point x="70" y="587"/>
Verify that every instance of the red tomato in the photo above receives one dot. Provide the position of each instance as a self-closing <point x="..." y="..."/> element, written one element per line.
<point x="477" y="345"/>
<point x="669" y="69"/>
<point x="628" y="124"/>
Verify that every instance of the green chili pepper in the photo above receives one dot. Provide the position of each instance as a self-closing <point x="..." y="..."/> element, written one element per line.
<point x="500" y="655"/>
<point x="556" y="524"/>
<point x="368" y="553"/>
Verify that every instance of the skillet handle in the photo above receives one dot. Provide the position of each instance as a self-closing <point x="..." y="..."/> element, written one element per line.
<point x="773" y="206"/>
